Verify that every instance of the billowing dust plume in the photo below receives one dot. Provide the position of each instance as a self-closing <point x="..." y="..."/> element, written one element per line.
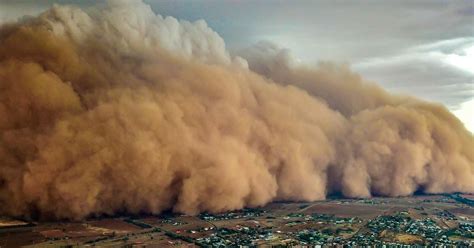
<point x="117" y="109"/>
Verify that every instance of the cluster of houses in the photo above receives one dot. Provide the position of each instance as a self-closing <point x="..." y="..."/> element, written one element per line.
<point x="361" y="233"/>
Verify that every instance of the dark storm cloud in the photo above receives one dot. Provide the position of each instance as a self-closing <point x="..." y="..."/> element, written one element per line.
<point x="425" y="71"/>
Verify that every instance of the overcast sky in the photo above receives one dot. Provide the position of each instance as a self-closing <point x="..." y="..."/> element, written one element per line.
<point x="423" y="48"/>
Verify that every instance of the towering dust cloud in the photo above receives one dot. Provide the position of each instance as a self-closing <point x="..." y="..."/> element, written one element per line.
<point x="117" y="109"/>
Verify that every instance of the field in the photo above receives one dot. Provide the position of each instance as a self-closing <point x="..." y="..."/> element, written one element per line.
<point x="413" y="220"/>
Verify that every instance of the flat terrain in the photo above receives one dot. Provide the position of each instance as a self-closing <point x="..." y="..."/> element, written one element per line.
<point x="427" y="219"/>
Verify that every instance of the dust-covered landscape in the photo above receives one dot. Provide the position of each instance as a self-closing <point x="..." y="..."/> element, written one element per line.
<point x="425" y="220"/>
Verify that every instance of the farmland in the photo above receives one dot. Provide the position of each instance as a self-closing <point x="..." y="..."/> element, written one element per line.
<point x="425" y="219"/>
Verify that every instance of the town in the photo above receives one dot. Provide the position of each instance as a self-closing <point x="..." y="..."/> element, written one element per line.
<point x="431" y="220"/>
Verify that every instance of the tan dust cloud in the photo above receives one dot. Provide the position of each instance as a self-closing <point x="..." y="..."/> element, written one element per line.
<point x="118" y="109"/>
